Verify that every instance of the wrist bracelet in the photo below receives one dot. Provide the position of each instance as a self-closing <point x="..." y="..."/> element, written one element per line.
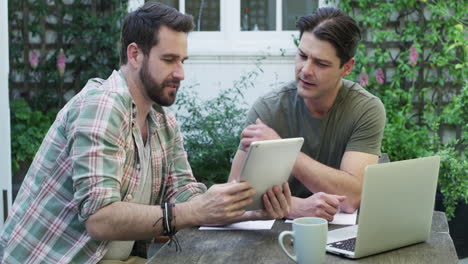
<point x="168" y="223"/>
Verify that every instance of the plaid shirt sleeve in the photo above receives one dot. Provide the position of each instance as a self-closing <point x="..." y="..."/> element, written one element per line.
<point x="96" y="151"/>
<point x="181" y="184"/>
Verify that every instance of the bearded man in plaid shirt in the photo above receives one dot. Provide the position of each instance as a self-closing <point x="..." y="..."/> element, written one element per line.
<point x="114" y="154"/>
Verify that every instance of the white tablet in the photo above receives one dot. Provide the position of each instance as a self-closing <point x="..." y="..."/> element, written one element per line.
<point x="269" y="163"/>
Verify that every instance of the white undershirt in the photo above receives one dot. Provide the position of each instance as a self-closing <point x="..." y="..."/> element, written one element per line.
<point x="120" y="250"/>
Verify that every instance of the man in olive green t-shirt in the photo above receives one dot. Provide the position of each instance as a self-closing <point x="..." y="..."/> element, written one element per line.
<point x="342" y="124"/>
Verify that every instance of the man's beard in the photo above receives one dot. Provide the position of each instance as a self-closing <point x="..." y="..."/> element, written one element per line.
<point x="154" y="90"/>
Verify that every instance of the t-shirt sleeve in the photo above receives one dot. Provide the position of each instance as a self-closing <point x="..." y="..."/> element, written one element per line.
<point x="368" y="132"/>
<point x="258" y="110"/>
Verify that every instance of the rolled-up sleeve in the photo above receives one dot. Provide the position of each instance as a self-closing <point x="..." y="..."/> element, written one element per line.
<point x="181" y="184"/>
<point x="97" y="153"/>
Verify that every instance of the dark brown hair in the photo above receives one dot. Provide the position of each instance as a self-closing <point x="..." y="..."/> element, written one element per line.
<point x="332" y="25"/>
<point x="142" y="26"/>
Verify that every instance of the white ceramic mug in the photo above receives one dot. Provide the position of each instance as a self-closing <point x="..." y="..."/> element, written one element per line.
<point x="310" y="238"/>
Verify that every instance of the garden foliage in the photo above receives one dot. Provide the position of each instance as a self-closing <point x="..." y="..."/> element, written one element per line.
<point x="212" y="127"/>
<point x="55" y="47"/>
<point x="413" y="57"/>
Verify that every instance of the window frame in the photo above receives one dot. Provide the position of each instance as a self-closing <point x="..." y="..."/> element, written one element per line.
<point x="232" y="41"/>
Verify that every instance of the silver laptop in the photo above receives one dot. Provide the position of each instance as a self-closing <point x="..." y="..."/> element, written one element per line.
<point x="396" y="209"/>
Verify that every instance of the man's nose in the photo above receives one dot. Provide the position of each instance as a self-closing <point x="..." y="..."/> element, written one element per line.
<point x="179" y="72"/>
<point x="308" y="68"/>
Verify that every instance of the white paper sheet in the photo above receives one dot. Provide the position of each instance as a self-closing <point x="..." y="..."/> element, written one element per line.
<point x="340" y="218"/>
<point x="247" y="225"/>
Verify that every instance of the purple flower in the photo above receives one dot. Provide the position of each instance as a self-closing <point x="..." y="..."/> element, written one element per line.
<point x="363" y="79"/>
<point x="379" y="76"/>
<point x="414" y="55"/>
<point x="33" y="59"/>
<point x="61" y="62"/>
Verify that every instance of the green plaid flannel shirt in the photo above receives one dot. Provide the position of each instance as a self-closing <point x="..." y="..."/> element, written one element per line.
<point x="88" y="160"/>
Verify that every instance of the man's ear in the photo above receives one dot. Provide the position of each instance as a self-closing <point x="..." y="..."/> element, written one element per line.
<point x="133" y="55"/>
<point x="348" y="67"/>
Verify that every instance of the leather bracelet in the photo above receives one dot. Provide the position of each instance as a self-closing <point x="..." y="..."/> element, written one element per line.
<point x="168" y="228"/>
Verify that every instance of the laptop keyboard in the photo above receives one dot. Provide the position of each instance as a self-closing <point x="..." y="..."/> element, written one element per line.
<point x="348" y="244"/>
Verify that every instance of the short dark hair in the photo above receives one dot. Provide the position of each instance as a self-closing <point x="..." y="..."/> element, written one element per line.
<point x="142" y="26"/>
<point x="332" y="25"/>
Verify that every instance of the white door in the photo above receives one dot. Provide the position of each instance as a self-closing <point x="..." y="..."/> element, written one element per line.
<point x="5" y="150"/>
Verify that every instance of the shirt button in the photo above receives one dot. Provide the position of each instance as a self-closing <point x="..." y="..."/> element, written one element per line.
<point x="129" y="197"/>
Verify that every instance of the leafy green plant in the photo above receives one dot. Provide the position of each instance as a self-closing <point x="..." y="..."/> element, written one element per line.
<point x="212" y="127"/>
<point x="452" y="180"/>
<point x="413" y="57"/>
<point x="41" y="74"/>
<point x="86" y="31"/>
<point x="28" y="130"/>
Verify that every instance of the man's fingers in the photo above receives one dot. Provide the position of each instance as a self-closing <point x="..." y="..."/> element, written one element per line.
<point x="287" y="193"/>
<point x="324" y="214"/>
<point x="329" y="217"/>
<point x="245" y="194"/>
<point x="238" y="205"/>
<point x="328" y="205"/>
<point x="274" y="200"/>
<point x="277" y="202"/>
<point x="332" y="200"/>
<point x="283" y="202"/>
<point x="246" y="142"/>
<point x="248" y="132"/>
<point x="331" y="210"/>
<point x="235" y="187"/>
<point x="338" y="199"/>
<point x="237" y="201"/>
<point x="267" y="204"/>
<point x="236" y="213"/>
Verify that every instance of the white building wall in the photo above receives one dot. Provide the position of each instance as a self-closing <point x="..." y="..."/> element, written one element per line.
<point x="5" y="151"/>
<point x="214" y="73"/>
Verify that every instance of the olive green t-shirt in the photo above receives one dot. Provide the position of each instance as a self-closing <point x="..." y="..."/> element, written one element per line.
<point x="354" y="123"/>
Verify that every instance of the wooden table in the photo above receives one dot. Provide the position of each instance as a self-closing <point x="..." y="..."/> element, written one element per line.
<point x="262" y="247"/>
